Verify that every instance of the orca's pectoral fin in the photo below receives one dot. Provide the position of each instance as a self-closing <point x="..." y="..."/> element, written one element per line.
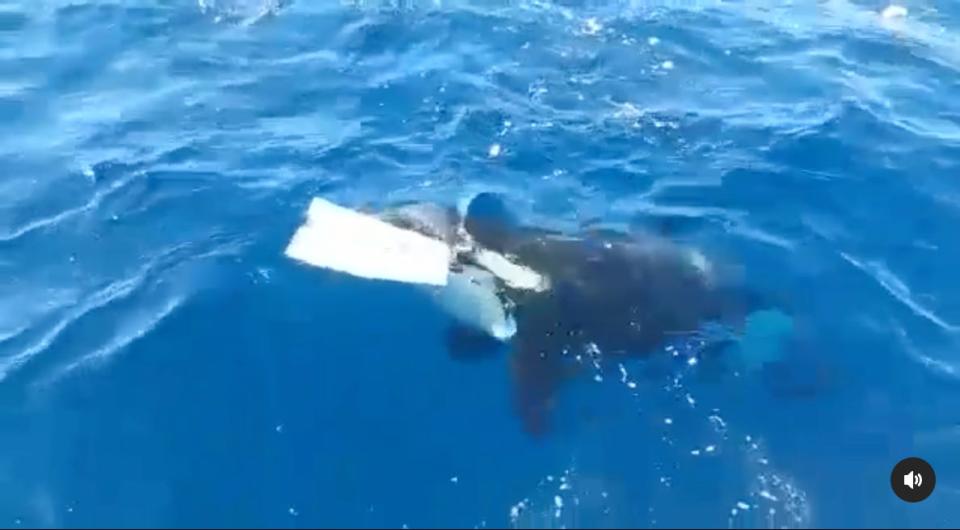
<point x="465" y="343"/>
<point x="537" y="377"/>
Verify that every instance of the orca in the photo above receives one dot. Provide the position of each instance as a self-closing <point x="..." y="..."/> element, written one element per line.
<point x="558" y="298"/>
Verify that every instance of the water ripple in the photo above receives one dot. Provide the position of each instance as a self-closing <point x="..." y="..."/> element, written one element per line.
<point x="154" y="272"/>
<point x="133" y="327"/>
<point x="56" y="219"/>
<point x="112" y="292"/>
<point x="899" y="290"/>
<point x="143" y="141"/>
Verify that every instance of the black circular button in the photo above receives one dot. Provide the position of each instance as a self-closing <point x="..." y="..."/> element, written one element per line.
<point x="913" y="479"/>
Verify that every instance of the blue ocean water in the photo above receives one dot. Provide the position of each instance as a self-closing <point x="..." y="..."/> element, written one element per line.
<point x="163" y="363"/>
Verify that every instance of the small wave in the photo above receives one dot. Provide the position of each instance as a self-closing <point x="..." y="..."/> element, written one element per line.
<point x="757" y="234"/>
<point x="130" y="331"/>
<point x="245" y="12"/>
<point x="114" y="291"/>
<point x="54" y="220"/>
<point x="23" y="306"/>
<point x="937" y="366"/>
<point x="899" y="290"/>
<point x="843" y="15"/>
<point x="120" y="290"/>
<point x="311" y="57"/>
<point x="7" y="335"/>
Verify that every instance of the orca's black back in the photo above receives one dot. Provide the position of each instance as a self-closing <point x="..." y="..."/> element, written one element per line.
<point x="607" y="298"/>
<point x="626" y="298"/>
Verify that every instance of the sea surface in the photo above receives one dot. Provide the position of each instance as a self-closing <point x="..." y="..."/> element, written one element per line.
<point x="163" y="363"/>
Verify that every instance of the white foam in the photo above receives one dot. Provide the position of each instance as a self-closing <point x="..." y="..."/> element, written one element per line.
<point x="893" y="11"/>
<point x="347" y="241"/>
<point x="592" y="26"/>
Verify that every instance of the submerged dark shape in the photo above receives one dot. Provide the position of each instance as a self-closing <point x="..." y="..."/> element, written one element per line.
<point x="611" y="295"/>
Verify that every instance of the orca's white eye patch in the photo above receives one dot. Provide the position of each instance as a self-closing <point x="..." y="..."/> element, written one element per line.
<point x="513" y="275"/>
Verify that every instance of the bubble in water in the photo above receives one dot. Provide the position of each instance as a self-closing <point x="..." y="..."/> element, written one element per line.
<point x="592" y="26"/>
<point x="243" y="11"/>
<point x="767" y="495"/>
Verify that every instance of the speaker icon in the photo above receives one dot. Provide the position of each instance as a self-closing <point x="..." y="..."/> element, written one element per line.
<point x="912" y="480"/>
